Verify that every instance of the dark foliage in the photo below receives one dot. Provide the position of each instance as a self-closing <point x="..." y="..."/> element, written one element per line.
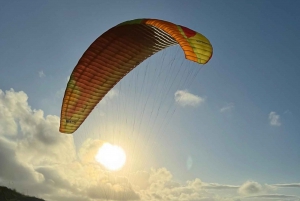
<point x="7" y="194"/>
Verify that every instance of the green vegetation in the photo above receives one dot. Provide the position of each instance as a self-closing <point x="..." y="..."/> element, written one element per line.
<point x="7" y="194"/>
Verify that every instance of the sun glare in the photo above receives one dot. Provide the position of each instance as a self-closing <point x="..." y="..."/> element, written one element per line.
<point x="111" y="156"/>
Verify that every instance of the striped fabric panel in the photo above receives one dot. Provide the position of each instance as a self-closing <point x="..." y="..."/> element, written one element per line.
<point x="111" y="57"/>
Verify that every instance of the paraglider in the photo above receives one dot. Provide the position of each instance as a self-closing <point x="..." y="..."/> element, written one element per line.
<point x="114" y="54"/>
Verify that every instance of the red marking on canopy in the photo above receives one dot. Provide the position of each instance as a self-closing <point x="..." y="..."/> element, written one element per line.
<point x="188" y="32"/>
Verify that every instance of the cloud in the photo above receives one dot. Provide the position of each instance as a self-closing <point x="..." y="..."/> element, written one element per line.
<point x="55" y="176"/>
<point x="37" y="159"/>
<point x="60" y="93"/>
<point x="89" y="149"/>
<point x="112" y="191"/>
<point x="163" y="187"/>
<point x="41" y="74"/>
<point x="161" y="174"/>
<point x="66" y="197"/>
<point x="275" y="196"/>
<point x="250" y="187"/>
<point x="185" y="98"/>
<point x="158" y="184"/>
<point x="11" y="168"/>
<point x="274" y="119"/>
<point x="36" y="137"/>
<point x="29" y="140"/>
<point x="113" y="93"/>
<point x="140" y="179"/>
<point x="215" y="186"/>
<point x="291" y="185"/>
<point x="227" y="107"/>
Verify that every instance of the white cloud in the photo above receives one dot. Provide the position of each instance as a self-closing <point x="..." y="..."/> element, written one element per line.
<point x="11" y="168"/>
<point x="41" y="74"/>
<point x="8" y="124"/>
<point x="37" y="159"/>
<point x="29" y="140"/>
<point x="112" y="191"/>
<point x="227" y="107"/>
<point x="250" y="187"/>
<point x="185" y="98"/>
<point x="216" y="186"/>
<point x="60" y="93"/>
<point x="291" y="185"/>
<point x="254" y="188"/>
<point x="112" y="93"/>
<point x="88" y="150"/>
<point x="274" y="119"/>
<point x="275" y="196"/>
<point x="140" y="179"/>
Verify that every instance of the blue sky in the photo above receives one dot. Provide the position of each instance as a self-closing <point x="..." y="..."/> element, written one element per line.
<point x="246" y="129"/>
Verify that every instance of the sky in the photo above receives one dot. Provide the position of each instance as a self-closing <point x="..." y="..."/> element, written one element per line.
<point x="230" y="133"/>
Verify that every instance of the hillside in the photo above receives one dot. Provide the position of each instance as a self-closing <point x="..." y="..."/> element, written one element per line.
<point x="7" y="194"/>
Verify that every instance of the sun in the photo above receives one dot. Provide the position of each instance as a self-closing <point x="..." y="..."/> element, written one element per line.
<point x="111" y="156"/>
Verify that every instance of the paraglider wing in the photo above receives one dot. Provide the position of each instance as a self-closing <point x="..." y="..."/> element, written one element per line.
<point x="114" y="54"/>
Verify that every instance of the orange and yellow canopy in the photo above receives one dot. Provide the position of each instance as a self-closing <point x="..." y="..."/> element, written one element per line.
<point x="114" y="54"/>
